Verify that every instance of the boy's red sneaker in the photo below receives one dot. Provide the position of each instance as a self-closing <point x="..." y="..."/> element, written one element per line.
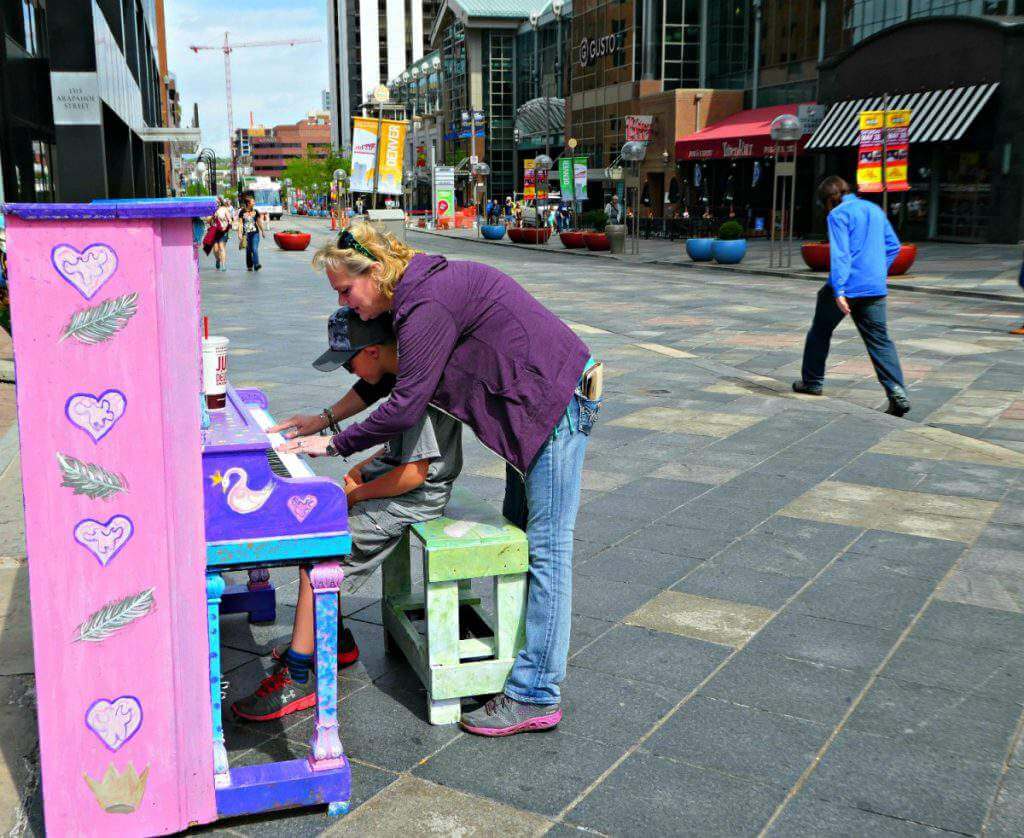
<point x="277" y="695"/>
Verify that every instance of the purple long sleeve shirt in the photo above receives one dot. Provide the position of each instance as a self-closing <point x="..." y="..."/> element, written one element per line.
<point x="474" y="343"/>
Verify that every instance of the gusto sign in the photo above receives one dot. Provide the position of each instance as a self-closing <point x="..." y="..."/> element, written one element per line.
<point x="590" y="49"/>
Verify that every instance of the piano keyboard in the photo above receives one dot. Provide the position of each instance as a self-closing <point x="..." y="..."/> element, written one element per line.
<point x="283" y="465"/>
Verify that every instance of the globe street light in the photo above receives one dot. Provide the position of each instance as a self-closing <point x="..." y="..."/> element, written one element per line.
<point x="541" y="163"/>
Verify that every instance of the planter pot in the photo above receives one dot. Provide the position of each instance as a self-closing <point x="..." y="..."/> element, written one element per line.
<point x="597" y="241"/>
<point x="616" y="234"/>
<point x="536" y="235"/>
<point x="729" y="252"/>
<point x="516" y="234"/>
<point x="904" y="259"/>
<point x="572" y="239"/>
<point x="493" y="231"/>
<point x="699" y="250"/>
<point x="816" y="257"/>
<point x="292" y="241"/>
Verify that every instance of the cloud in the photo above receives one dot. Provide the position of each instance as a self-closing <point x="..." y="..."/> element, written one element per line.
<point x="279" y="84"/>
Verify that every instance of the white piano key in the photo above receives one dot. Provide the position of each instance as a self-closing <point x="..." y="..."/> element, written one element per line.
<point x="296" y="466"/>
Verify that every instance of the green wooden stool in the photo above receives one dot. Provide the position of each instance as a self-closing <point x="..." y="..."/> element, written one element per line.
<point x="471" y="543"/>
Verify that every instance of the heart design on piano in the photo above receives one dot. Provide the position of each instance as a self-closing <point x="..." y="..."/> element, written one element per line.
<point x="85" y="270"/>
<point x="104" y="541"/>
<point x="114" y="722"/>
<point x="96" y="415"/>
<point x="301" y="505"/>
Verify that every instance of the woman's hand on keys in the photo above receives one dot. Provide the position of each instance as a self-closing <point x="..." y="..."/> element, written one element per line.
<point x="314" y="446"/>
<point x="299" y="425"/>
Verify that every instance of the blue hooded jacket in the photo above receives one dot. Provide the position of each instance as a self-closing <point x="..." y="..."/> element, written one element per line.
<point x="862" y="246"/>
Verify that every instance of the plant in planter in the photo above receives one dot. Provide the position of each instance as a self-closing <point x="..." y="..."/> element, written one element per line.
<point x="292" y="239"/>
<point x="595" y="222"/>
<point x="730" y="247"/>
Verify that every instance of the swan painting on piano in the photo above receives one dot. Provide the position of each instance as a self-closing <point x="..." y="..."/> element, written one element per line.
<point x="240" y="497"/>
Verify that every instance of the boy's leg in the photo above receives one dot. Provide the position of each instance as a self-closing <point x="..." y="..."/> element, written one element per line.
<point x="826" y="317"/>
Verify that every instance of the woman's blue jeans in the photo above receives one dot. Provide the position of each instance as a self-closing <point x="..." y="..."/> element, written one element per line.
<point x="252" y="250"/>
<point x="545" y="505"/>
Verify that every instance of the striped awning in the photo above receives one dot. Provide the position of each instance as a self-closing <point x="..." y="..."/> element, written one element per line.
<point x="939" y="116"/>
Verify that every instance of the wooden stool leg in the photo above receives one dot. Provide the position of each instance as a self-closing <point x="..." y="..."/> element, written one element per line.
<point x="442" y="607"/>
<point x="214" y="589"/>
<point x="325" y="579"/>
<point x="509" y="615"/>
<point x="396" y="581"/>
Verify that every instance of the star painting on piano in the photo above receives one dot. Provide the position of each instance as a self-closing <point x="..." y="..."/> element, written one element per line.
<point x="240" y="497"/>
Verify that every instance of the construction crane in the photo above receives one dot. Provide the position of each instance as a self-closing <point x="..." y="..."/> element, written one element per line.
<point x="227" y="48"/>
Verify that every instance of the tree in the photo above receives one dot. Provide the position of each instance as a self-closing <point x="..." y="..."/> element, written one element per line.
<point x="308" y="170"/>
<point x="196" y="189"/>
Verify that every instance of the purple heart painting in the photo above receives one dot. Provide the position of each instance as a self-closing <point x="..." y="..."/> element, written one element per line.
<point x="85" y="270"/>
<point x="116" y="721"/>
<point x="104" y="541"/>
<point x="301" y="505"/>
<point x="96" y="415"/>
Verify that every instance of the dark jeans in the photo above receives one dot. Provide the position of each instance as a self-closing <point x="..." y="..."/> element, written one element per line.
<point x="869" y="317"/>
<point x="252" y="250"/>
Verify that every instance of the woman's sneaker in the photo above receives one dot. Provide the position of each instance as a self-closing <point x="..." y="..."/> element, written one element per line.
<point x="277" y="695"/>
<point x="348" y="651"/>
<point x="503" y="716"/>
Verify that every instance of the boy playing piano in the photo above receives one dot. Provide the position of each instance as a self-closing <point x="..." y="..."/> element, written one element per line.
<point x="407" y="481"/>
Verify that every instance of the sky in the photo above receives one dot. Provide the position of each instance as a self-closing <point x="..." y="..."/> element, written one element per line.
<point x="279" y="84"/>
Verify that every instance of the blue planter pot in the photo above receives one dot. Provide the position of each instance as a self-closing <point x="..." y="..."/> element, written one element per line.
<point x="729" y="252"/>
<point x="699" y="249"/>
<point x="493" y="231"/>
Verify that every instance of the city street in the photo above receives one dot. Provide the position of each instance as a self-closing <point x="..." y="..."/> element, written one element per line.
<point x="792" y="615"/>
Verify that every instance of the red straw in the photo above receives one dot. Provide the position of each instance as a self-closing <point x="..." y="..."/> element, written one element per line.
<point x="206" y="327"/>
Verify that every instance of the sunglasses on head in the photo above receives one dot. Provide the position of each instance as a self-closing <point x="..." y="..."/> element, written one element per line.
<point x="346" y="241"/>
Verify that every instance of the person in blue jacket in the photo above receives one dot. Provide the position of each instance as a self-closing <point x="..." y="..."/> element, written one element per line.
<point x="862" y="246"/>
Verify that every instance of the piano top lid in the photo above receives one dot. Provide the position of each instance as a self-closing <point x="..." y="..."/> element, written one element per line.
<point x="233" y="428"/>
<point x="103" y="210"/>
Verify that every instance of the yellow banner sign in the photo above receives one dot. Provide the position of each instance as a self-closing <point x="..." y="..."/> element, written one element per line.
<point x="386" y="152"/>
<point x="893" y="119"/>
<point x="392" y="149"/>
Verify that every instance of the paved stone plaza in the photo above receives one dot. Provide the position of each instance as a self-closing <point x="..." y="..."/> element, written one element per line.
<point x="792" y="615"/>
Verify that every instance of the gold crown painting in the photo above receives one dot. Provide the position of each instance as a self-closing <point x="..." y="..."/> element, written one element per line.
<point x="119" y="793"/>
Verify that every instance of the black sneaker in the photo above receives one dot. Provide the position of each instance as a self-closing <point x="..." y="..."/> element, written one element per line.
<point x="258" y="268"/>
<point x="899" y="404"/>
<point x="277" y="695"/>
<point x="806" y="389"/>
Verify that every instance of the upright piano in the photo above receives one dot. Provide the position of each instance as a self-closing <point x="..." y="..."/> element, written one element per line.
<point x="264" y="509"/>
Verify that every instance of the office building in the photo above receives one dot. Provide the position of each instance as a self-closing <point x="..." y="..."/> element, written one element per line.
<point x="270" y="149"/>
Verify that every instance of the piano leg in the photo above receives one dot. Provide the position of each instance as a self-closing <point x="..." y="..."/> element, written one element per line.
<point x="214" y="589"/>
<point x="325" y="579"/>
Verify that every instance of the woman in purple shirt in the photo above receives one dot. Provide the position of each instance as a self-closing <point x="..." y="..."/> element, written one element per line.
<point x="477" y="346"/>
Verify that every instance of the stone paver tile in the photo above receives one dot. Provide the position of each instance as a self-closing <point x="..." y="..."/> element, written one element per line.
<point x="945" y="346"/>
<point x="939" y="444"/>
<point x="985" y="589"/>
<point x="804" y="816"/>
<point x="798" y="688"/>
<point x="541" y="773"/>
<point x="649" y="795"/>
<point x="19" y="768"/>
<point x="992" y="673"/>
<point x="889" y="777"/>
<point x="741" y="741"/>
<point x="827" y="642"/>
<point x="435" y="810"/>
<point x="970" y="625"/>
<point x="668" y="351"/>
<point x="704" y="618"/>
<point x="914" y="513"/>
<point x="724" y="578"/>
<point x="1007" y="817"/>
<point x="971" y="726"/>
<point x="687" y="421"/>
<point x="889" y="603"/>
<point x="15" y="618"/>
<point x="653" y="657"/>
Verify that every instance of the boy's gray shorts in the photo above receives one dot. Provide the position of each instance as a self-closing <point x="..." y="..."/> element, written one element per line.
<point x="375" y="533"/>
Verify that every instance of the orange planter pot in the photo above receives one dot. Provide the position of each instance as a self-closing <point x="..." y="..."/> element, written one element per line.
<point x="516" y="234"/>
<point x="535" y="235"/>
<point x="292" y="241"/>
<point x="572" y="239"/>
<point x="596" y="241"/>
<point x="816" y="257"/>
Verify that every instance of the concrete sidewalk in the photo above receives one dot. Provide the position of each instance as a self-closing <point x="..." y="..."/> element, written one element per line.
<point x="979" y="270"/>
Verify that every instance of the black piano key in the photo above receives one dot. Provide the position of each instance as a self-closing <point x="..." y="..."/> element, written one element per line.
<point x="276" y="466"/>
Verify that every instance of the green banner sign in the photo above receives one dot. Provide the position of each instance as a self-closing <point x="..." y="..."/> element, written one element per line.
<point x="572" y="174"/>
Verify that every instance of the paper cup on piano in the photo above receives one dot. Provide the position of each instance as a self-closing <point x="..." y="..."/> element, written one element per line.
<point x="215" y="371"/>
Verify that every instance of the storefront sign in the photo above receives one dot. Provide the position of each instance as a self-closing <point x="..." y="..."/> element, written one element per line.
<point x="734" y="149"/>
<point x="639" y="129"/>
<point x="76" y="99"/>
<point x="896" y="125"/>
<point x="444" y="192"/>
<point x="572" y="175"/>
<point x="590" y="49"/>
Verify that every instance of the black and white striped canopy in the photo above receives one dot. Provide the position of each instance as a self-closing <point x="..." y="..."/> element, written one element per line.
<point x="938" y="116"/>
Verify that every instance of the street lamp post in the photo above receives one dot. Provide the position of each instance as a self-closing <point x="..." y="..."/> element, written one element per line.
<point x="634" y="152"/>
<point x="541" y="163"/>
<point x="207" y="163"/>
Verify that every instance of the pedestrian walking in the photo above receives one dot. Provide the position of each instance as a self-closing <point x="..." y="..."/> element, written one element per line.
<point x="359" y="206"/>
<point x="613" y="210"/>
<point x="249" y="231"/>
<point x="1020" y="282"/>
<point x="221" y="224"/>
<point x="862" y="246"/>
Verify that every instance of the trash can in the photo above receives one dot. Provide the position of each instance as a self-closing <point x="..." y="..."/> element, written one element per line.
<point x="616" y="237"/>
<point x="389" y="220"/>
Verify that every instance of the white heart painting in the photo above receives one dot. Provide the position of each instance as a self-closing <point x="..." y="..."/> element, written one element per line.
<point x="301" y="505"/>
<point x="85" y="270"/>
<point x="104" y="541"/>
<point x="115" y="722"/>
<point x="96" y="415"/>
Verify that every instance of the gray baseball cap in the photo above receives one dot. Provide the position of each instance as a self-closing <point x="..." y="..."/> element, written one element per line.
<point x="347" y="334"/>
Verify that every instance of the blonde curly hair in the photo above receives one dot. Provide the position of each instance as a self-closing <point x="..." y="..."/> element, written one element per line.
<point x="392" y="254"/>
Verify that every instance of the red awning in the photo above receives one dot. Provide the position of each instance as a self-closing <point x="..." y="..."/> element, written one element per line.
<point x="744" y="134"/>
